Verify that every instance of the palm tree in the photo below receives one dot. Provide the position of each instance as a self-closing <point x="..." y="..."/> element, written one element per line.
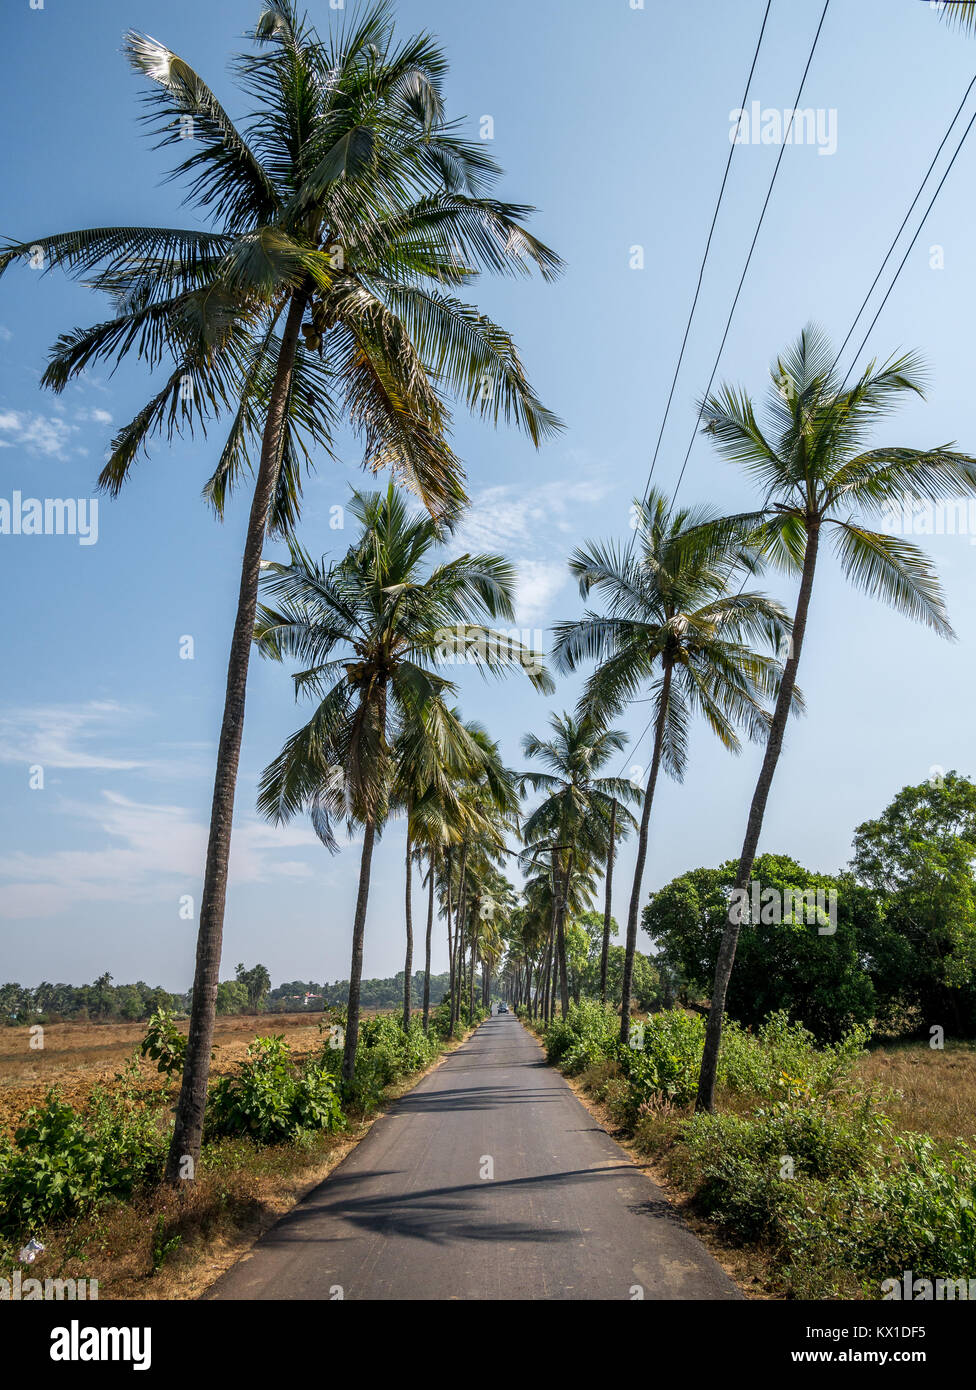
<point x="672" y="626"/>
<point x="807" y="457"/>
<point x="961" y="12"/>
<point x="341" y="216"/>
<point x="434" y="755"/>
<point x="572" y="825"/>
<point x="369" y="631"/>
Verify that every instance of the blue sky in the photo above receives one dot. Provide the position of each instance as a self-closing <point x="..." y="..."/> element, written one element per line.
<point x="615" y="123"/>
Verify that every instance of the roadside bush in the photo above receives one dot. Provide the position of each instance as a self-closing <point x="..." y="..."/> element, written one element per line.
<point x="62" y="1162"/>
<point x="781" y="1055"/>
<point x="586" y="1035"/>
<point x="663" y="1059"/>
<point x="270" y="1100"/>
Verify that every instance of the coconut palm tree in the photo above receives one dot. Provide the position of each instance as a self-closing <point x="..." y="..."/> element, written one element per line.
<point x="545" y="894"/>
<point x="572" y="825"/>
<point x="672" y="627"/>
<point x="370" y="631"/>
<point x="808" y="457"/>
<point x="341" y="216"/>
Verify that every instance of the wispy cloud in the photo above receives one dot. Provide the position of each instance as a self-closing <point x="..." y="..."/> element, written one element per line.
<point x="48" y="435"/>
<point x="530" y="524"/>
<point x="143" y="853"/>
<point x="61" y="736"/>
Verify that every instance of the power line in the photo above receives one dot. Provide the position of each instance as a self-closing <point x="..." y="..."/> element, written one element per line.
<point x="708" y="247"/>
<point x="904" y="221"/>
<point x="752" y="248"/>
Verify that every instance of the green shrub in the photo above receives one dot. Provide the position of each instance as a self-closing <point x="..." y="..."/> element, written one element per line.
<point x="164" y="1044"/>
<point x="663" y="1059"/>
<point x="921" y="1213"/>
<point x="586" y="1035"/>
<point x="783" y="1057"/>
<point x="62" y="1163"/>
<point x="272" y="1101"/>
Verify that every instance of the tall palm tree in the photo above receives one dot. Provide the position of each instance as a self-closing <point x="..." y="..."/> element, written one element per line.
<point x="341" y="216"/>
<point x="808" y="458"/>
<point x="370" y="631"/>
<point x="672" y="627"/>
<point x="572" y="824"/>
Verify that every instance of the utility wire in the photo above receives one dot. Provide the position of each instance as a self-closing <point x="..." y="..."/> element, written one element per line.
<point x="704" y="262"/>
<point x="752" y="248"/>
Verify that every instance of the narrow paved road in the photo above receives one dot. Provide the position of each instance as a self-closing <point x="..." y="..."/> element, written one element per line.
<point x="488" y="1181"/>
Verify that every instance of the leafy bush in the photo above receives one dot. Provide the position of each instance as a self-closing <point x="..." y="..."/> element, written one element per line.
<point x="782" y="1056"/>
<point x="270" y="1100"/>
<point x="61" y="1163"/>
<point x="164" y="1044"/>
<point x="922" y="1212"/>
<point x="663" y="1059"/>
<point x="586" y="1035"/>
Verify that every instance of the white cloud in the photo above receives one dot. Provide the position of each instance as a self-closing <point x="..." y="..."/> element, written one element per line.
<point x="56" y="736"/>
<point x="529" y="525"/>
<point x="146" y="853"/>
<point x="539" y="582"/>
<point x="38" y="434"/>
<point x="5" y="333"/>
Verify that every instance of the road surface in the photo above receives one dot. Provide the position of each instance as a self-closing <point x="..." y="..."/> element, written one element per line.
<point x="488" y="1181"/>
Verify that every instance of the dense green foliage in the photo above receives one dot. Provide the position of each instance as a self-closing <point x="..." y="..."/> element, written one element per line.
<point x="819" y="979"/>
<point x="62" y="1161"/>
<point x="101" y="1001"/>
<point x="271" y="1100"/>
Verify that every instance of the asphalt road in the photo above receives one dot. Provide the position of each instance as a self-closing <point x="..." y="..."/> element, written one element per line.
<point x="488" y="1181"/>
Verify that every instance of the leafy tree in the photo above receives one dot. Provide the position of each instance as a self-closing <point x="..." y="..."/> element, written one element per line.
<point x="808" y="458"/>
<point x="820" y="980"/>
<point x="231" y="997"/>
<point x="919" y="857"/>
<point x="257" y="982"/>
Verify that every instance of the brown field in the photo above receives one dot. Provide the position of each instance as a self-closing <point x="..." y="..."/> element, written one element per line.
<point x="927" y="1091"/>
<point x="78" y="1056"/>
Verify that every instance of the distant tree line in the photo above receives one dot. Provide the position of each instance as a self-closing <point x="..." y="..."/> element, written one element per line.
<point x="249" y="993"/>
<point x="101" y="1002"/>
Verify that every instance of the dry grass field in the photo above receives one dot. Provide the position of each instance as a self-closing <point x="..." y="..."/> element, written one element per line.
<point x="928" y="1091"/>
<point x="77" y="1056"/>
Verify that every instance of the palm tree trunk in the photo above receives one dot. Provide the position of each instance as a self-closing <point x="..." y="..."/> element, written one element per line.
<point x="459" y="927"/>
<point x="184" y="1152"/>
<point x="605" y="954"/>
<point x="450" y="936"/>
<point x="430" y="928"/>
<point x="634" y="909"/>
<point x="473" y="964"/>
<point x="408" y="964"/>
<point x="356" y="968"/>
<point x="730" y="936"/>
